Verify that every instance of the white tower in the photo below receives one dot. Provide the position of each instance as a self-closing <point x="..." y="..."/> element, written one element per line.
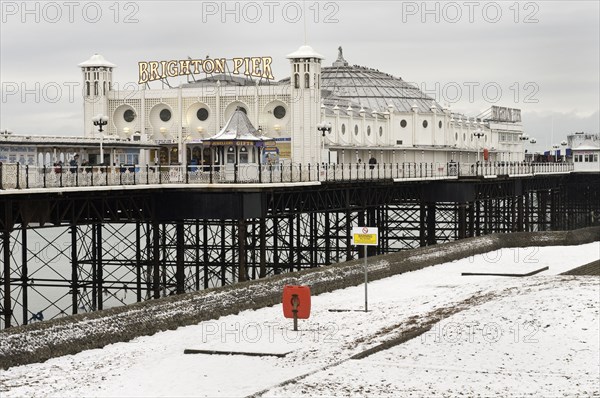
<point x="97" y="82"/>
<point x="306" y="102"/>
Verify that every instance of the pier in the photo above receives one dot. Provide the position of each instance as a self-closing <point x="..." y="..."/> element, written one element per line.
<point x="124" y="234"/>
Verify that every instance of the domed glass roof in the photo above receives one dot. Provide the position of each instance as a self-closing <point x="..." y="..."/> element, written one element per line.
<point x="371" y="88"/>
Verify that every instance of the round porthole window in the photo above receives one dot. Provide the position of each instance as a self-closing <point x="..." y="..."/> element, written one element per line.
<point x="356" y="129"/>
<point x="380" y="131"/>
<point x="129" y="115"/>
<point x="279" y="112"/>
<point x="165" y="115"/>
<point x="369" y="130"/>
<point x="425" y="124"/>
<point x="440" y="124"/>
<point x="403" y="123"/>
<point x="202" y="114"/>
<point x="343" y="129"/>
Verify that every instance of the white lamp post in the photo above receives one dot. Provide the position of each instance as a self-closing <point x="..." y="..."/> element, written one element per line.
<point x="100" y="121"/>
<point x="555" y="148"/>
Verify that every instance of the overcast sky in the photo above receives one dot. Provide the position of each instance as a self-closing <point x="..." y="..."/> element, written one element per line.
<point x="539" y="56"/>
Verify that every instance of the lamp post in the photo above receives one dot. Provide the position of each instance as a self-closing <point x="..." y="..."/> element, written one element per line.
<point x="260" y="133"/>
<point x="100" y="121"/>
<point x="323" y="127"/>
<point x="478" y="134"/>
<point x="564" y="156"/>
<point x="524" y="138"/>
<point x="556" y="148"/>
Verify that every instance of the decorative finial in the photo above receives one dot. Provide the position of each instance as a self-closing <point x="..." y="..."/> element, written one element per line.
<point x="340" y="59"/>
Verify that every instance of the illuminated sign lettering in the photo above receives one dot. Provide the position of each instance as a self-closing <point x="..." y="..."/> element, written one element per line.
<point x="250" y="66"/>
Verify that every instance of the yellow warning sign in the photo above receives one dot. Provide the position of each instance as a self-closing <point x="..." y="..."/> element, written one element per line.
<point x="365" y="239"/>
<point x="365" y="236"/>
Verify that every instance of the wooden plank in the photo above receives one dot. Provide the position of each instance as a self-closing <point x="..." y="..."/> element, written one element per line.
<point x="499" y="274"/>
<point x="250" y="354"/>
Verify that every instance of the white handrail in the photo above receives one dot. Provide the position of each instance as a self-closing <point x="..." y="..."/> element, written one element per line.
<point x="17" y="176"/>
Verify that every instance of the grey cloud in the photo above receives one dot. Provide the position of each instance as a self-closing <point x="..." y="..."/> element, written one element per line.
<point x="559" y="53"/>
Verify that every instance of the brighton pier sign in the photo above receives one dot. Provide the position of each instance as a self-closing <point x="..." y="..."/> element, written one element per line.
<point x="249" y="66"/>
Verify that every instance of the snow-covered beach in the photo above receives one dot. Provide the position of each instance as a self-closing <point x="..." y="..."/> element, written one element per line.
<point x="487" y="335"/>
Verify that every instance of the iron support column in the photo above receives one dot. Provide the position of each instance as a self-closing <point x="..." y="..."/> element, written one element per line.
<point x="471" y="227"/>
<point x="262" y="231"/>
<point x="223" y="255"/>
<point x="7" y="298"/>
<point x="348" y="228"/>
<point x="242" y="250"/>
<point x="156" y="259"/>
<point x="431" y="224"/>
<point x="74" y="269"/>
<point x="327" y="239"/>
<point x="462" y="220"/>
<point x="519" y="213"/>
<point x="180" y="255"/>
<point x="100" y="269"/>
<point x="138" y="262"/>
<point x="24" y="275"/>
<point x="205" y="257"/>
<point x="422" y="225"/>
<point x="275" y="246"/>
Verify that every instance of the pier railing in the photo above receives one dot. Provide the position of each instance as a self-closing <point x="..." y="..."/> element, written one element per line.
<point x="18" y="176"/>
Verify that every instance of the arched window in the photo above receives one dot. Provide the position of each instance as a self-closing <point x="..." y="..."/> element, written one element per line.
<point x="87" y="88"/>
<point x="230" y="155"/>
<point x="296" y="81"/>
<point x="243" y="155"/>
<point x="96" y="88"/>
<point x="104" y="88"/>
<point x="306" y="80"/>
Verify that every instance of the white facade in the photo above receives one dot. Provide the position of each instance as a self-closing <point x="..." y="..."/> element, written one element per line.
<point x="586" y="157"/>
<point x="368" y="121"/>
